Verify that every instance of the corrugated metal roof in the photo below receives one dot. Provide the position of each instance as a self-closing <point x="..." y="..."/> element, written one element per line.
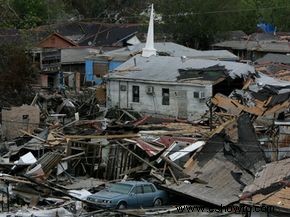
<point x="165" y="68"/>
<point x="264" y="46"/>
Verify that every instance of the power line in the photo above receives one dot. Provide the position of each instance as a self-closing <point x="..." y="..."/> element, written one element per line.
<point x="185" y="14"/>
<point x="182" y="14"/>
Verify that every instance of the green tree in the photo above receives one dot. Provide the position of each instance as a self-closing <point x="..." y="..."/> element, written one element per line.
<point x="16" y="74"/>
<point x="32" y="13"/>
<point x="195" y="23"/>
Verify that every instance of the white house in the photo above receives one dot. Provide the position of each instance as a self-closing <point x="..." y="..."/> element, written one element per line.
<point x="176" y="86"/>
<point x="172" y="86"/>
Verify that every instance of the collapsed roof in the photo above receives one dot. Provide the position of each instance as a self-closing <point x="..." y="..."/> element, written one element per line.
<point x="168" y="68"/>
<point x="222" y="169"/>
<point x="270" y="187"/>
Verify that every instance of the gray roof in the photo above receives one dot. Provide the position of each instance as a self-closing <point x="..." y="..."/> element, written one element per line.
<point x="171" y="49"/>
<point x="274" y="58"/>
<point x="76" y="55"/>
<point x="178" y="50"/>
<point x="265" y="46"/>
<point x="165" y="68"/>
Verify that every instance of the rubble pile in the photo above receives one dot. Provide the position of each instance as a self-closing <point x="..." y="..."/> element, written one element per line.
<point x="200" y="129"/>
<point x="75" y="150"/>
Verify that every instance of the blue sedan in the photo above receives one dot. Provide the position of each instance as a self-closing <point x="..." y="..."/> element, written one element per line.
<point x="129" y="194"/>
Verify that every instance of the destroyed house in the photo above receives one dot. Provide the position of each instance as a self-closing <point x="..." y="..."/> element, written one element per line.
<point x="270" y="187"/>
<point x="60" y="55"/>
<point x="47" y="53"/>
<point x="172" y="86"/>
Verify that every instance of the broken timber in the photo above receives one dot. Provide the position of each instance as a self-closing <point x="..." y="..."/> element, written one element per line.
<point x="75" y="137"/>
<point x="235" y="107"/>
<point x="149" y="164"/>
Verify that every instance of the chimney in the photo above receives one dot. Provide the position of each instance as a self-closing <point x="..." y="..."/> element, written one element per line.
<point x="149" y="49"/>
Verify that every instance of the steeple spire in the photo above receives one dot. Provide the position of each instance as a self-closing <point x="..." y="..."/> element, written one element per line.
<point x="149" y="49"/>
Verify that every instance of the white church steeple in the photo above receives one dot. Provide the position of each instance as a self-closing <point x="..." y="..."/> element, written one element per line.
<point x="149" y="49"/>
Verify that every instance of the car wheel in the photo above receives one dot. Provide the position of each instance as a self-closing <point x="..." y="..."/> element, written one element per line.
<point x="158" y="202"/>
<point x="122" y="205"/>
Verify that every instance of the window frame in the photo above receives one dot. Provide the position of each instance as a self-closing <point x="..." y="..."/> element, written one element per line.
<point x="165" y="97"/>
<point x="196" y="94"/>
<point x="135" y="95"/>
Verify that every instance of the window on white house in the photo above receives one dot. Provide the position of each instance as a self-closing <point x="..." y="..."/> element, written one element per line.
<point x="195" y="94"/>
<point x="136" y="93"/>
<point x="199" y="95"/>
<point x="165" y="96"/>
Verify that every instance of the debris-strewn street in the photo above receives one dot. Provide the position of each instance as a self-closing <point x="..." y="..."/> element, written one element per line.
<point x="108" y="122"/>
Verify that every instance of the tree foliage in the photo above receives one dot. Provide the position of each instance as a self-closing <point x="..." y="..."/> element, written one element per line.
<point x="191" y="22"/>
<point x="16" y="74"/>
<point x="26" y="14"/>
<point x="15" y="67"/>
<point x="196" y="23"/>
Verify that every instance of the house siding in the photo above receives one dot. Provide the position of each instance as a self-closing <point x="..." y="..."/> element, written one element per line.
<point x="89" y="70"/>
<point x="56" y="41"/>
<point x="182" y="103"/>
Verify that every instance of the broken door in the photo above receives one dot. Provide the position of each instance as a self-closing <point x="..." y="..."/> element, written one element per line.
<point x="181" y="99"/>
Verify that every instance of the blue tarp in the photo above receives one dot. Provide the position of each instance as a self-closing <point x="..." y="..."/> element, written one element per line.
<point x="90" y="73"/>
<point x="266" y="27"/>
<point x="89" y="70"/>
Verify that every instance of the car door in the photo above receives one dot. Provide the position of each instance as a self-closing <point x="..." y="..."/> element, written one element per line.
<point x="138" y="196"/>
<point x="148" y="195"/>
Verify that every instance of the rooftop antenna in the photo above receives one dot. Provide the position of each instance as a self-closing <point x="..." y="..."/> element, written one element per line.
<point x="149" y="49"/>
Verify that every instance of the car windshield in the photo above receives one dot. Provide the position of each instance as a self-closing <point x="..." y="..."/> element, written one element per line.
<point x="120" y="188"/>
